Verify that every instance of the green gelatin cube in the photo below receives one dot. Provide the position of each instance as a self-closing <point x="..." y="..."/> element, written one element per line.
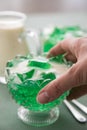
<point x="40" y="64"/>
<point x="39" y="81"/>
<point x="52" y="41"/>
<point x="9" y="64"/>
<point x="48" y="45"/>
<point x="26" y="75"/>
<point x="71" y="28"/>
<point x="56" y="36"/>
<point x="45" y="82"/>
<point x="50" y="76"/>
<point x="59" y="59"/>
<point x="57" y="31"/>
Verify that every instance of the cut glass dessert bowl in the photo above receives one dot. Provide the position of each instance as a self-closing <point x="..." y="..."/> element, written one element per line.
<point x="26" y="76"/>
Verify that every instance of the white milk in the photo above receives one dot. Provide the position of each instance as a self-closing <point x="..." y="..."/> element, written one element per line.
<point x="11" y="43"/>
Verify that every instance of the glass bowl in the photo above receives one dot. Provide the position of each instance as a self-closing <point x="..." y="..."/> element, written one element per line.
<point x="26" y="76"/>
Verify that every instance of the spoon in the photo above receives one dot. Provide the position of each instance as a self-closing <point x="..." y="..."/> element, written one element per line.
<point x="80" y="106"/>
<point x="77" y="115"/>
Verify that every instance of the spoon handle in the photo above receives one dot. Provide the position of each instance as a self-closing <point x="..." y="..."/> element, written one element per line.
<point x="78" y="116"/>
<point x="80" y="106"/>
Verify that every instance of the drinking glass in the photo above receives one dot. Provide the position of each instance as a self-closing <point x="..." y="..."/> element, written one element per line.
<point x="12" y="36"/>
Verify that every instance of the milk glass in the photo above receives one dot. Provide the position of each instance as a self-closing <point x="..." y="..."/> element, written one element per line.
<point x="12" y="37"/>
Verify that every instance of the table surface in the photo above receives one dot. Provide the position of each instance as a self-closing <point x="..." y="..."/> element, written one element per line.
<point x="8" y="108"/>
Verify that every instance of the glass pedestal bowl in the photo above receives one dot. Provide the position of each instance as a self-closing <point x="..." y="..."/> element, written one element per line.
<point x="25" y="77"/>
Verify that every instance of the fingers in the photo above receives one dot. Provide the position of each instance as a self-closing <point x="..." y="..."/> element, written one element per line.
<point x="56" y="50"/>
<point x="77" y="92"/>
<point x="75" y="46"/>
<point x="57" y="87"/>
<point x="70" y="57"/>
<point x="75" y="76"/>
<point x="62" y="47"/>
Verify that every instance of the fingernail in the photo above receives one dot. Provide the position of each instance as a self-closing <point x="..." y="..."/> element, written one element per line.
<point x="43" y="98"/>
<point x="49" y="55"/>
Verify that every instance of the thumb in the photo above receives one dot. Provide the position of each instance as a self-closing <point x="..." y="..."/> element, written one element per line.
<point x="58" y="86"/>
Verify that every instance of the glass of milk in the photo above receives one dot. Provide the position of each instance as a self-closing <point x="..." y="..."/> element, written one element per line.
<point x="12" y="36"/>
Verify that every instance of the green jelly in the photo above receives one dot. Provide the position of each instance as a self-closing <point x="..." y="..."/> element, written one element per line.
<point x="59" y="34"/>
<point x="26" y="75"/>
<point x="25" y="95"/>
<point x="72" y="28"/>
<point x="60" y="59"/>
<point x="49" y="75"/>
<point x="45" y="82"/>
<point x="10" y="64"/>
<point x="39" y="63"/>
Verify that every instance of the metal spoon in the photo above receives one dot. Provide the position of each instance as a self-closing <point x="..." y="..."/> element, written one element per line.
<point x="80" y="106"/>
<point x="78" y="116"/>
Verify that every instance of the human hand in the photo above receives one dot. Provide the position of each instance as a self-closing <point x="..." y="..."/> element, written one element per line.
<point x="75" y="79"/>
